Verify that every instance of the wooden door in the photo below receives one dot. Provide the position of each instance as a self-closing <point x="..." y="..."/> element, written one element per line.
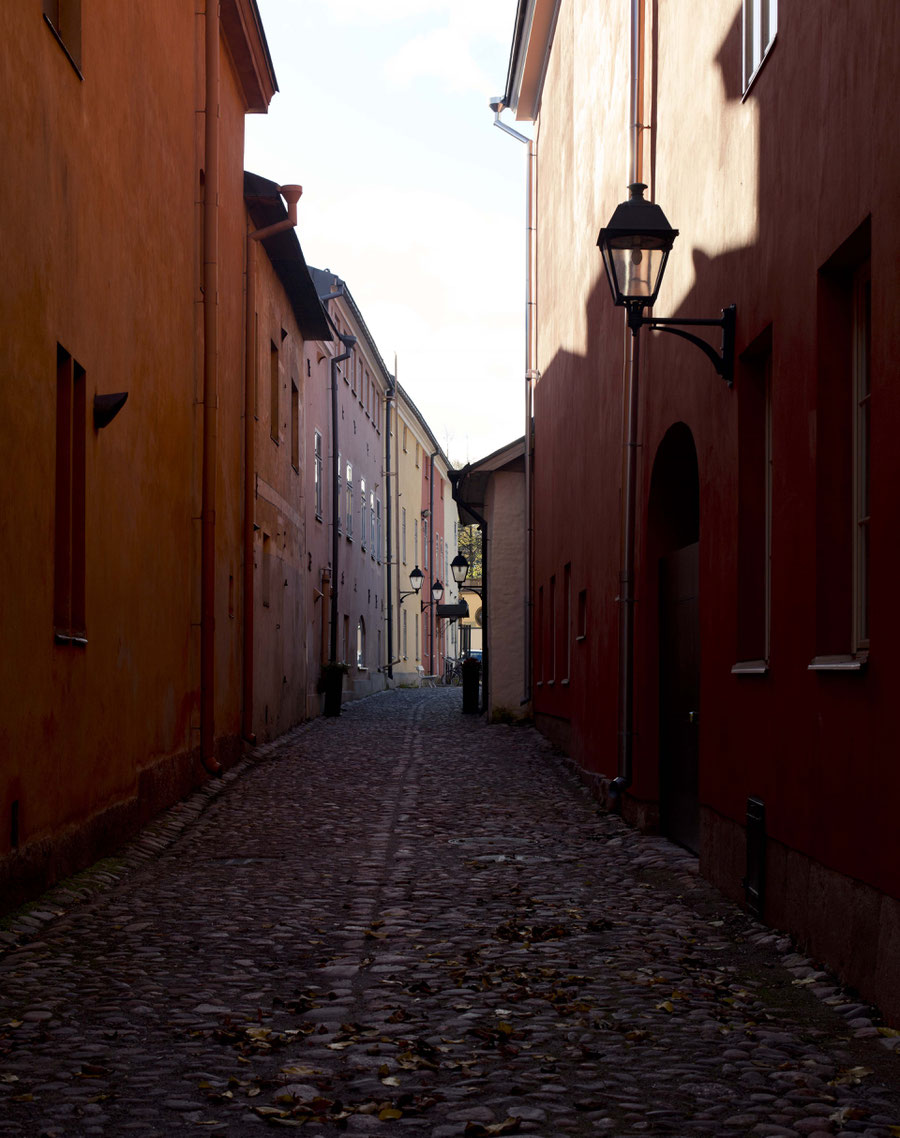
<point x="679" y="696"/>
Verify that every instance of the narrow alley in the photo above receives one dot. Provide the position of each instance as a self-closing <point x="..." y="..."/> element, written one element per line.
<point x="406" y="921"/>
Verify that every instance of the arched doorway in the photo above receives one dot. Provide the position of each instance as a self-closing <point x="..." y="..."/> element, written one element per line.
<point x="674" y="546"/>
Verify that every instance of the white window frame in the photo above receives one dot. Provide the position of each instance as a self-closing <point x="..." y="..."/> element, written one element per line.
<point x="862" y="394"/>
<point x="363" y="528"/>
<point x="317" y="471"/>
<point x="350" y="502"/>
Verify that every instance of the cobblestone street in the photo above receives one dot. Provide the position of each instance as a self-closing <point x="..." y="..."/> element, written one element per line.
<point x="406" y="921"/>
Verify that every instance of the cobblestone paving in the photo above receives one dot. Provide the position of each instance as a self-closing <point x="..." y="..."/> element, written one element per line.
<point x="406" y="921"/>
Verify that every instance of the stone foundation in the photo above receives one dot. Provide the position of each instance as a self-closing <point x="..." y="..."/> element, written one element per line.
<point x="847" y="925"/>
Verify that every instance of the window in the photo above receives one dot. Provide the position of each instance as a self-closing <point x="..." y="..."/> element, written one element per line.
<point x="63" y="17"/>
<point x="266" y="571"/>
<point x="417" y="635"/>
<point x="405" y="438"/>
<point x="754" y="505"/>
<point x="567" y="618"/>
<point x="582" y="615"/>
<point x="405" y="629"/>
<point x="378" y="529"/>
<point x="346" y="644"/>
<point x="361" y="644"/>
<point x="425" y="544"/>
<point x="539" y="630"/>
<point x="862" y="337"/>
<point x="339" y="519"/>
<point x="416" y="539"/>
<point x="418" y="450"/>
<point x="69" y="528"/>
<point x="317" y="473"/>
<point x="363" y="527"/>
<point x="273" y="390"/>
<point x="403" y="533"/>
<point x="372" y="519"/>
<point x="349" y="485"/>
<point x="843" y="414"/>
<point x="551" y="638"/>
<point x="295" y="426"/>
<point x="760" y="23"/>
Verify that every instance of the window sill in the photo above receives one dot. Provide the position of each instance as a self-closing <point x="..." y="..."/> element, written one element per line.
<point x="843" y="663"/>
<point x="580" y="639"/>
<point x="564" y="683"/>
<point x="750" y="668"/>
<point x="319" y="518"/>
<point x="67" y="639"/>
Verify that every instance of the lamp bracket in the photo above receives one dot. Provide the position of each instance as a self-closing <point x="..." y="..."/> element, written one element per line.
<point x="722" y="361"/>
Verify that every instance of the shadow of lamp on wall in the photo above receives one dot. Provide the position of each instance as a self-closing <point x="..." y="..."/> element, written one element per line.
<point x="106" y="407"/>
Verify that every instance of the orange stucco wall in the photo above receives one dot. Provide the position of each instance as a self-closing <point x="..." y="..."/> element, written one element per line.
<point x="101" y="211"/>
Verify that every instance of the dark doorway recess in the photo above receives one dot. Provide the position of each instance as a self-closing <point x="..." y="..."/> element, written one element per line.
<point x="674" y="520"/>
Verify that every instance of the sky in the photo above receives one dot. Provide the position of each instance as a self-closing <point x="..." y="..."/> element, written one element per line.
<point x="410" y="194"/>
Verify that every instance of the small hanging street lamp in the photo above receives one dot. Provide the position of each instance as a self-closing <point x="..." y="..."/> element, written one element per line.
<point x="635" y="246"/>
<point x="416" y="579"/>
<point x="459" y="567"/>
<point x="437" y="593"/>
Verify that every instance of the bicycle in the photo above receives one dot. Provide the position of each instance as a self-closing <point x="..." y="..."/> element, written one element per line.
<point x="453" y="672"/>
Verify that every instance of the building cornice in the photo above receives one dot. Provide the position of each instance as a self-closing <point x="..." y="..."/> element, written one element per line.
<point x="245" y="38"/>
<point x="532" y="39"/>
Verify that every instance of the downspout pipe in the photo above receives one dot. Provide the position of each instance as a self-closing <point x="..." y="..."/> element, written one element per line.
<point x="348" y="342"/>
<point x="291" y="195"/>
<point x="210" y="396"/>
<point x="389" y="548"/>
<point x="497" y="105"/>
<point x="431" y="559"/>
<point x="631" y="404"/>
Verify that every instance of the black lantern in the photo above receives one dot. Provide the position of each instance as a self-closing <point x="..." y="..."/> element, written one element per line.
<point x="635" y="247"/>
<point x="459" y="567"/>
<point x="437" y="591"/>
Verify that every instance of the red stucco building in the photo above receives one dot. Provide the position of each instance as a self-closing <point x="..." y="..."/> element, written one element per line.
<point x="762" y="732"/>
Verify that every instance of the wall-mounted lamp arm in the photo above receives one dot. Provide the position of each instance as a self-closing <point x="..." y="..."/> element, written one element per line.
<point x="722" y="361"/>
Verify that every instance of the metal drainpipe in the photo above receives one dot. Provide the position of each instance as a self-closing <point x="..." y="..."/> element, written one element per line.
<point x="348" y="341"/>
<point x="210" y="396"/>
<point x="291" y="195"/>
<point x="431" y="559"/>
<point x="388" y="552"/>
<point x="530" y="375"/>
<point x="631" y="404"/>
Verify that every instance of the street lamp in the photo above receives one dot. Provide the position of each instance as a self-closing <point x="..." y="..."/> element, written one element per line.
<point x="459" y="567"/>
<point x="415" y="579"/>
<point x="437" y="593"/>
<point x="635" y="246"/>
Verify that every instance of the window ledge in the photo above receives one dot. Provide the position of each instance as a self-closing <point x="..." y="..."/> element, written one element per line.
<point x="580" y="639"/>
<point x="564" y="683"/>
<point x="319" y="518"/>
<point x="842" y="663"/>
<point x="750" y="668"/>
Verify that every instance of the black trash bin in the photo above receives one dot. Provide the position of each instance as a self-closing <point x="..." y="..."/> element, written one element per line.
<point x="471" y="678"/>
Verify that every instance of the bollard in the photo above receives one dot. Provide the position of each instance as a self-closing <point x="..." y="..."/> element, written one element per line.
<point x="471" y="678"/>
